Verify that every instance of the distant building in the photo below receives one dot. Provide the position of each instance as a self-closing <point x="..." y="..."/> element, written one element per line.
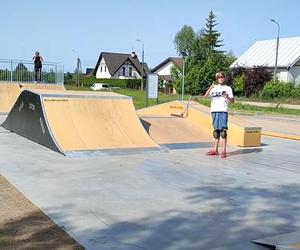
<point x="89" y="71"/>
<point x="119" y="66"/>
<point x="263" y="53"/>
<point x="164" y="71"/>
<point x="164" y="68"/>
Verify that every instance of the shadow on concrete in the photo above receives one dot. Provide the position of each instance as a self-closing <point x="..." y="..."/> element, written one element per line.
<point x="226" y="218"/>
<point x="245" y="151"/>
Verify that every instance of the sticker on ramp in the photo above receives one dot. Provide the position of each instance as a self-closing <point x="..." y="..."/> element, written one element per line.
<point x="21" y="106"/>
<point x="176" y="107"/>
<point x="32" y="106"/>
<point x="55" y="100"/>
<point x="42" y="125"/>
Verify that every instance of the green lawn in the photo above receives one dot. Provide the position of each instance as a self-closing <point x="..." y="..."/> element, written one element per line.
<point x="139" y="101"/>
<point x="254" y="109"/>
<point x="274" y="100"/>
<point x="138" y="97"/>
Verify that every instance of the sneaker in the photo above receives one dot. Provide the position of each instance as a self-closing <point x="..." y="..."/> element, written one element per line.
<point x="223" y="155"/>
<point x="212" y="152"/>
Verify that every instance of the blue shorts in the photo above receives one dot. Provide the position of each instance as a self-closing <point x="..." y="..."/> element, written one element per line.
<point x="220" y="120"/>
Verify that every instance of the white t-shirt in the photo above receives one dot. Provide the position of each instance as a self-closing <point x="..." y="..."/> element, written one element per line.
<point x="218" y="101"/>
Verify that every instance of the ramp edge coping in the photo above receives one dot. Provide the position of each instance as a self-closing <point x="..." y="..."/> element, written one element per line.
<point x="83" y="96"/>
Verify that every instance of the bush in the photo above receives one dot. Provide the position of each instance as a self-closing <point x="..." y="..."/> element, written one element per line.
<point x="295" y="92"/>
<point x="277" y="89"/>
<point x="239" y="85"/>
<point x="255" y="78"/>
<point x="122" y="83"/>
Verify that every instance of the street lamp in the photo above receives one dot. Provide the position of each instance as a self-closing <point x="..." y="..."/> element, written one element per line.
<point x="277" y="46"/>
<point x="142" y="73"/>
<point x="184" y="55"/>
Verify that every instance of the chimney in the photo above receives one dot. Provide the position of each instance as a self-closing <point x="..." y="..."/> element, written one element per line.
<point x="133" y="55"/>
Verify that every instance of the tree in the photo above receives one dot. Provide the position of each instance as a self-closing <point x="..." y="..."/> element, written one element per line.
<point x="184" y="40"/>
<point x="204" y="56"/>
<point x="211" y="35"/>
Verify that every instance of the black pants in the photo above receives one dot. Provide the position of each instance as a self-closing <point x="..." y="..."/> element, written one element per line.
<point x="37" y="74"/>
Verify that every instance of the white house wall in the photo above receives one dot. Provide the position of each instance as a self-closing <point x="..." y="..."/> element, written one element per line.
<point x="165" y="70"/>
<point x="295" y="74"/>
<point x="104" y="73"/>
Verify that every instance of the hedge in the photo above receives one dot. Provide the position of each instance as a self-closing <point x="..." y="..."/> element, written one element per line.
<point x="279" y="89"/>
<point x="122" y="83"/>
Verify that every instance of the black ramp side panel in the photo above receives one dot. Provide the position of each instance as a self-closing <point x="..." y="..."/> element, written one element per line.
<point x="27" y="119"/>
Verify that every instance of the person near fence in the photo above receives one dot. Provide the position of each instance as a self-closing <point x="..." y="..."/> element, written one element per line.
<point x="221" y="95"/>
<point x="37" y="60"/>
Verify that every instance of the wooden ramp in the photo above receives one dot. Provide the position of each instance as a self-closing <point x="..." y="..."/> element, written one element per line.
<point x="197" y="119"/>
<point x="73" y="121"/>
<point x="10" y="91"/>
<point x="175" y="132"/>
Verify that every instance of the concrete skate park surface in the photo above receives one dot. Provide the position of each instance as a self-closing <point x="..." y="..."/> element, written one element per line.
<point x="173" y="199"/>
<point x="282" y="126"/>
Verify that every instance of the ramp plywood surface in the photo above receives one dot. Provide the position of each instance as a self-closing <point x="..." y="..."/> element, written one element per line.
<point x="174" y="130"/>
<point x="240" y="132"/>
<point x="78" y="121"/>
<point x="9" y="92"/>
<point x="93" y="124"/>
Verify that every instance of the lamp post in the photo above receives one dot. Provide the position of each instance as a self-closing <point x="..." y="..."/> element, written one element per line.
<point x="184" y="54"/>
<point x="277" y="46"/>
<point x="142" y="73"/>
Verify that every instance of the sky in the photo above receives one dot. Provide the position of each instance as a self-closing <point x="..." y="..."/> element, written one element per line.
<point x="57" y="28"/>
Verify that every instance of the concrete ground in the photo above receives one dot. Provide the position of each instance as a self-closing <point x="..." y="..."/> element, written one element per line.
<point x="176" y="199"/>
<point x="274" y="123"/>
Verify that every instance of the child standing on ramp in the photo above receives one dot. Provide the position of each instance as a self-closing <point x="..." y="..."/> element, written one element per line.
<point x="221" y="95"/>
<point x="37" y="60"/>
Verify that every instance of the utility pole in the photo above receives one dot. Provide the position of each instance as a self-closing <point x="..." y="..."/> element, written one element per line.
<point x="277" y="47"/>
<point x="142" y="73"/>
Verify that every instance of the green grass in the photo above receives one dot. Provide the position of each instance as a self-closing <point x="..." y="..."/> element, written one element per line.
<point x="254" y="109"/>
<point x="295" y="101"/>
<point x="138" y="97"/>
<point x="139" y="100"/>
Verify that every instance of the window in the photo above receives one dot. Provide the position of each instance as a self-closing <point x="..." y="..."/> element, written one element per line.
<point x="123" y="71"/>
<point x="105" y="69"/>
<point x="130" y="71"/>
<point x="101" y="69"/>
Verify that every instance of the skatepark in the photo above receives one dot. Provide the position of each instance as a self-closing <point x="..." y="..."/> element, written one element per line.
<point x="115" y="178"/>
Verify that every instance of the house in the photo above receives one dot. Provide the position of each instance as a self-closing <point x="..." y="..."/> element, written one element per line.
<point x="164" y="68"/>
<point x="263" y="53"/>
<point x="164" y="71"/>
<point x="89" y="71"/>
<point x="120" y="66"/>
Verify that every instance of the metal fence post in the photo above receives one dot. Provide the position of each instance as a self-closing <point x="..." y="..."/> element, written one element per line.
<point x="11" y="70"/>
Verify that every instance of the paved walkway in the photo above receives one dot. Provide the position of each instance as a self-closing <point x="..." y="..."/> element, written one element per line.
<point x="274" y="123"/>
<point x="266" y="104"/>
<point x="177" y="199"/>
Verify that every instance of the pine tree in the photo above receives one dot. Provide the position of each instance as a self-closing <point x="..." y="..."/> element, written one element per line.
<point x="211" y="35"/>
